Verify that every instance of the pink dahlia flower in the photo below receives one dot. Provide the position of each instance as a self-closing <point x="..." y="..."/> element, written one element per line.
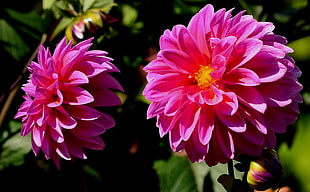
<point x="61" y="97"/>
<point x="222" y="86"/>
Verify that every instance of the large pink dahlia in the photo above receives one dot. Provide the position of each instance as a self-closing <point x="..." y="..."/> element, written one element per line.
<point x="61" y="97"/>
<point x="222" y="86"/>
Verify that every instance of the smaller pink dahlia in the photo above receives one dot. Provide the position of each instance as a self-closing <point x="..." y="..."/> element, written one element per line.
<point x="222" y="86"/>
<point x="61" y="97"/>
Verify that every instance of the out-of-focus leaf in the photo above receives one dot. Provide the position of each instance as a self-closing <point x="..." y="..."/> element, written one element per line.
<point x="130" y="15"/>
<point x="16" y="29"/>
<point x="306" y="97"/>
<point x="87" y="4"/>
<point x="14" y="148"/>
<point x="64" y="22"/>
<point x="90" y="4"/>
<point x="29" y="23"/>
<point x="12" y="41"/>
<point x="92" y="172"/>
<point x="301" y="49"/>
<point x="295" y="160"/>
<point x="47" y="4"/>
<point x="201" y="170"/>
<point x="179" y="174"/>
<point x="175" y="175"/>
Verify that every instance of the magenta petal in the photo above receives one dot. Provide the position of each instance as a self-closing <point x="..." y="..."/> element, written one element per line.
<point x="77" y="96"/>
<point x="56" y="135"/>
<point x="180" y="61"/>
<point x="242" y="29"/>
<point x="62" y="151"/>
<point x="188" y="45"/>
<point x="244" y="51"/>
<point x="175" y="139"/>
<point x="275" y="121"/>
<point x="196" y="153"/>
<point x="83" y="112"/>
<point x="223" y="47"/>
<point x="38" y="135"/>
<point x="212" y="96"/>
<point x="188" y="121"/>
<point x="64" y="119"/>
<point x="174" y="104"/>
<point x="77" y="78"/>
<point x="154" y="109"/>
<point x="234" y="122"/>
<point x="166" y="123"/>
<point x="105" y="97"/>
<point x="223" y="144"/>
<point x="77" y="151"/>
<point x="110" y="82"/>
<point x="206" y="125"/>
<point x="199" y="25"/>
<point x="242" y="76"/>
<point x="95" y="143"/>
<point x="251" y="97"/>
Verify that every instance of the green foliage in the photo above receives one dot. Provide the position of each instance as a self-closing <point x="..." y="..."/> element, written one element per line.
<point x="176" y="175"/>
<point x="296" y="158"/>
<point x="14" y="146"/>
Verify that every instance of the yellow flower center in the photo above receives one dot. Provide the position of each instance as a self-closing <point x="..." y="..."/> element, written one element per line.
<point x="203" y="78"/>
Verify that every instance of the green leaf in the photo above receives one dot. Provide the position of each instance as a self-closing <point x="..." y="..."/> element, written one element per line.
<point x="130" y="15"/>
<point x="14" y="148"/>
<point x="29" y="23"/>
<point x="295" y="160"/>
<point x="178" y="174"/>
<point x="90" y="4"/>
<point x="13" y="42"/>
<point x="92" y="172"/>
<point x="175" y="175"/>
<point x="301" y="49"/>
<point x="47" y="4"/>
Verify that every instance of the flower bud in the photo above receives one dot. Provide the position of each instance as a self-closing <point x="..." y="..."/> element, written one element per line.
<point x="93" y="22"/>
<point x="265" y="171"/>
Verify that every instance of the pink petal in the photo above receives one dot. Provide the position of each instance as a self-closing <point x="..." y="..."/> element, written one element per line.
<point x="194" y="149"/>
<point x="244" y="51"/>
<point x="77" y="78"/>
<point x="251" y="97"/>
<point x="82" y="112"/>
<point x="38" y="135"/>
<point x="229" y="104"/>
<point x="234" y="122"/>
<point x="242" y="76"/>
<point x="105" y="97"/>
<point x="168" y="40"/>
<point x="243" y="29"/>
<point x="64" y="119"/>
<point x="223" y="47"/>
<point x="199" y="25"/>
<point x="77" y="96"/>
<point x="188" y="120"/>
<point x="154" y="109"/>
<point x="179" y="61"/>
<point x="206" y="125"/>
<point x="212" y="96"/>
<point x="188" y="45"/>
<point x="62" y="151"/>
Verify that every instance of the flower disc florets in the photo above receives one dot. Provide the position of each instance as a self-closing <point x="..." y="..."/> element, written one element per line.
<point x="61" y="97"/>
<point x="222" y="86"/>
